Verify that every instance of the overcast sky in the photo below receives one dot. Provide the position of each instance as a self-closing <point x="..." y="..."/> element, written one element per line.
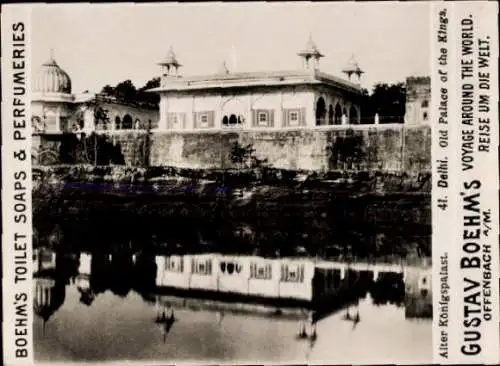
<point x="107" y="43"/>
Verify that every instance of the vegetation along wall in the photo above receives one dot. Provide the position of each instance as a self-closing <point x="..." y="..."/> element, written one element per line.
<point x="361" y="147"/>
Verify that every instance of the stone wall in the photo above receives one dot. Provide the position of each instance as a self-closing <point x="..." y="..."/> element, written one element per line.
<point x="358" y="147"/>
<point x="362" y="147"/>
<point x="418" y="95"/>
<point x="120" y="148"/>
<point x="192" y="150"/>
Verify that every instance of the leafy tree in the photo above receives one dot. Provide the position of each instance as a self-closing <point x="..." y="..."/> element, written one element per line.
<point x="244" y="157"/>
<point x="153" y="83"/>
<point x="128" y="92"/>
<point x="125" y="90"/>
<point x="367" y="109"/>
<point x="388" y="100"/>
<point x="108" y="90"/>
<point x="148" y="97"/>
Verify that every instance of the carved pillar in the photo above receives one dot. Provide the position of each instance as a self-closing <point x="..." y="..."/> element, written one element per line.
<point x="58" y="119"/>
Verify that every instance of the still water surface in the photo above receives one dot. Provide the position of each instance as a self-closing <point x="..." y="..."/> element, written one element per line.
<point x="124" y="328"/>
<point x="119" y="324"/>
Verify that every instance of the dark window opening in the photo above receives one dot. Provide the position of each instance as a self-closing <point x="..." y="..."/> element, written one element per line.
<point x="338" y="115"/>
<point x="127" y="122"/>
<point x="353" y="115"/>
<point x="320" y="112"/>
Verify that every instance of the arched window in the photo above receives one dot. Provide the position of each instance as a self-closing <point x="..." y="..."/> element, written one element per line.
<point x="320" y="112"/>
<point x="127" y="122"/>
<point x="118" y="123"/>
<point x="330" y="115"/>
<point x="338" y="114"/>
<point x="233" y="120"/>
<point x="353" y="115"/>
<point x="425" y="103"/>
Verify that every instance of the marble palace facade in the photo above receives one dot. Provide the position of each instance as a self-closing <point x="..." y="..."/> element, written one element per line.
<point x="302" y="98"/>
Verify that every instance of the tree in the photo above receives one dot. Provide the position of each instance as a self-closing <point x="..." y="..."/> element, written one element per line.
<point x="108" y="90"/>
<point x="244" y="157"/>
<point x="387" y="100"/>
<point x="153" y="83"/>
<point x="147" y="97"/>
<point x="366" y="107"/>
<point x="126" y="91"/>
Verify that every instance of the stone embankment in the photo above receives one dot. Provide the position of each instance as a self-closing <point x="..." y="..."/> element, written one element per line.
<point x="156" y="178"/>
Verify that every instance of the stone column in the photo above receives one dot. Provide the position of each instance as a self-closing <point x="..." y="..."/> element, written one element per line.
<point x="375" y="275"/>
<point x="58" y="119"/>
<point x="344" y="119"/>
<point x="342" y="273"/>
<point x="162" y="123"/>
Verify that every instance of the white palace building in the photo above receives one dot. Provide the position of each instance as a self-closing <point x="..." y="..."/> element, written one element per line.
<point x="273" y="100"/>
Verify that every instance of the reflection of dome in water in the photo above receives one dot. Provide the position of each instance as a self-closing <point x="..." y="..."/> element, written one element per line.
<point x="44" y="262"/>
<point x="368" y="298"/>
<point x="83" y="282"/>
<point x="48" y="297"/>
<point x="50" y="78"/>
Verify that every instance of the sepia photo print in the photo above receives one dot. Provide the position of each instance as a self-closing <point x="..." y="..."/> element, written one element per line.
<point x="231" y="183"/>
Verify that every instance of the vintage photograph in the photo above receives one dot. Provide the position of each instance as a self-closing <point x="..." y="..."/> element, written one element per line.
<point x="232" y="183"/>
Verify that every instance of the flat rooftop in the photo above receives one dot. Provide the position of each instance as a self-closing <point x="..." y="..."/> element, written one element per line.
<point x="255" y="79"/>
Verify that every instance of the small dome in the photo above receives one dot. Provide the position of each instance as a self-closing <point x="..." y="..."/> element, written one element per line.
<point x="48" y="297"/>
<point x="352" y="67"/>
<point x="311" y="46"/>
<point x="311" y="50"/>
<point x="50" y="78"/>
<point x="170" y="59"/>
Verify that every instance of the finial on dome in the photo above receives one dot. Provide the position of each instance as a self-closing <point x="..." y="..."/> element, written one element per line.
<point x="223" y="68"/>
<point x="311" y="45"/>
<point x="51" y="61"/>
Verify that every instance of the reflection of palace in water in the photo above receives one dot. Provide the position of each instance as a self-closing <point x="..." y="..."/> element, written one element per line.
<point x="49" y="288"/>
<point x="300" y="282"/>
<point x="219" y="282"/>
